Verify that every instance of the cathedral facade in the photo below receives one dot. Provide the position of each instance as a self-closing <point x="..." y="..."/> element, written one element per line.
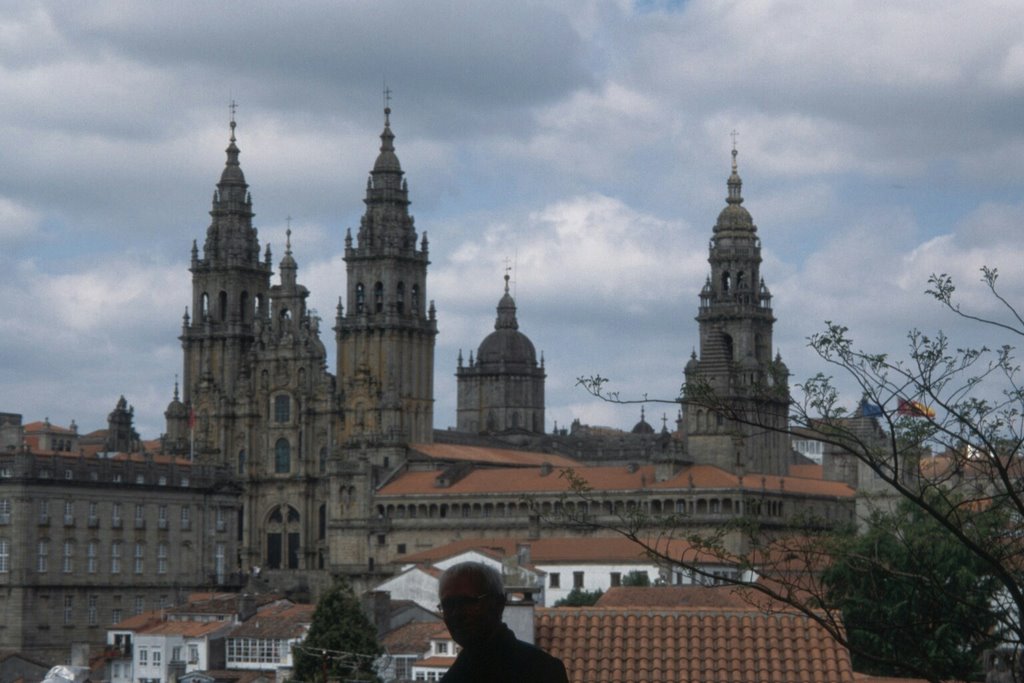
<point x="325" y="461"/>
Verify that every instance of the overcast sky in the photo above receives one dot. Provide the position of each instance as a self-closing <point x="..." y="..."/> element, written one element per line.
<point x="587" y="142"/>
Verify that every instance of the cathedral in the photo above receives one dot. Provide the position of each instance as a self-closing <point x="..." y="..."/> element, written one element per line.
<point x="328" y="464"/>
<point x="273" y="467"/>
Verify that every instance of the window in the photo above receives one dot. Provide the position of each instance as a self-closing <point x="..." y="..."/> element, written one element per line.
<point x="176" y="653"/>
<point x="186" y="518"/>
<point x="577" y="579"/>
<point x="115" y="515"/>
<point x="442" y="648"/>
<point x="218" y="562"/>
<point x="42" y="556"/>
<point x="140" y="516"/>
<point x="401" y="549"/>
<point x="143" y="656"/>
<point x="5" y="511"/>
<point x="69" y="512"/>
<point x="140" y="551"/>
<point x="378" y="297"/>
<point x="115" y="557"/>
<point x="241" y="461"/>
<point x="554" y="580"/>
<point x="282" y="408"/>
<point x="161" y="517"/>
<point x="116" y="615"/>
<point x="44" y="512"/>
<point x="68" y="564"/>
<point x="616" y="579"/>
<point x="140" y="605"/>
<point x="382" y="539"/>
<point x="218" y="520"/>
<point x="156" y="657"/>
<point x="323" y="459"/>
<point x="91" y="610"/>
<point x="5" y="556"/>
<point x="360" y="298"/>
<point x="69" y="605"/>
<point x="161" y="558"/>
<point x="282" y="456"/>
<point x="193" y="654"/>
<point x="90" y="557"/>
<point x="93" y="514"/>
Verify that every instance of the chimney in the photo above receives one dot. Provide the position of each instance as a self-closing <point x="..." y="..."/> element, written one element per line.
<point x="519" y="616"/>
<point x="523" y="553"/>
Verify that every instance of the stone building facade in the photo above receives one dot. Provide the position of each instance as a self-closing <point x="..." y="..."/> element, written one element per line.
<point x="88" y="540"/>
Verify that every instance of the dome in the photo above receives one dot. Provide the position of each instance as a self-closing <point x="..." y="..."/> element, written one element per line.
<point x="642" y="427"/>
<point x="734" y="217"/>
<point x="507" y="344"/>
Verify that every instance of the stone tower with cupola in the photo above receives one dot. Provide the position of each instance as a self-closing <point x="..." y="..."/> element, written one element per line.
<point x="385" y="331"/>
<point x="257" y="397"/>
<point x="386" y="328"/>
<point x="230" y="284"/>
<point x="502" y="388"/>
<point x="735" y="365"/>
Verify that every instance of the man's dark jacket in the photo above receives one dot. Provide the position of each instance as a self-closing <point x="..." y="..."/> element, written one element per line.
<point x="504" y="659"/>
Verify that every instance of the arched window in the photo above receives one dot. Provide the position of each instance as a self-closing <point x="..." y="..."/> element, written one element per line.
<point x="360" y="298"/>
<point x="323" y="522"/>
<point x="282" y="456"/>
<point x="259" y="306"/>
<point x="400" y="297"/>
<point x="416" y="299"/>
<point x="205" y="305"/>
<point x="323" y="459"/>
<point x="282" y="408"/>
<point x="726" y="282"/>
<point x="727" y="347"/>
<point x="243" y="306"/>
<point x="241" y="461"/>
<point x="378" y="297"/>
<point x="222" y="302"/>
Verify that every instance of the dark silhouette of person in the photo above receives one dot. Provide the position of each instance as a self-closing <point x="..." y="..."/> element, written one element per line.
<point x="472" y="602"/>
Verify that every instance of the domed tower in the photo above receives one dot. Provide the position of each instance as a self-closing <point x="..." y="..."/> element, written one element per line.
<point x="735" y="362"/>
<point x="503" y="388"/>
<point x="386" y="336"/>
<point x="229" y="290"/>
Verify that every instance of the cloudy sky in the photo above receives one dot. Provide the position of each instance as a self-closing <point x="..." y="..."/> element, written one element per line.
<point x="586" y="142"/>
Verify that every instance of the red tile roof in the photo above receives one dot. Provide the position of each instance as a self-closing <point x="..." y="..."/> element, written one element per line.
<point x="278" y="622"/>
<point x="414" y="637"/>
<point x="677" y="596"/>
<point x="563" y="549"/>
<point x="605" y="478"/>
<point x="189" y="629"/>
<point x="646" y="645"/>
<point x="490" y="456"/>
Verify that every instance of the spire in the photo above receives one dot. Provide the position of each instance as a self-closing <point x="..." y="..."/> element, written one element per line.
<point x="506" y="310"/>
<point x="734" y="217"/>
<point x="288" y="264"/>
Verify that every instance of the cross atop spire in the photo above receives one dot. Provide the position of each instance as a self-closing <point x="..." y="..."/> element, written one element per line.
<point x="734" y="135"/>
<point x="233" y="107"/>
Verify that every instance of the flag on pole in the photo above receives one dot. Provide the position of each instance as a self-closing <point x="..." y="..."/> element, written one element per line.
<point x="915" y="409"/>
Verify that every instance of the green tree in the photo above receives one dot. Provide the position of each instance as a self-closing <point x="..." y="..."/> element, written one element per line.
<point x="915" y="596"/>
<point x="636" y="577"/>
<point x="578" y="597"/>
<point x="963" y="404"/>
<point x="341" y="643"/>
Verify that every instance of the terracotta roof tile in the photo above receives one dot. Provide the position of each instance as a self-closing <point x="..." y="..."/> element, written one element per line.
<point x="603" y="478"/>
<point x="187" y="628"/>
<point x="279" y="622"/>
<point x="491" y="456"/>
<point x="413" y="637"/>
<point x="560" y="549"/>
<point x="690" y="644"/>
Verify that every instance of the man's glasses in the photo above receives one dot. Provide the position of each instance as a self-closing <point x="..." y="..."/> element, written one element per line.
<point x="460" y="602"/>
